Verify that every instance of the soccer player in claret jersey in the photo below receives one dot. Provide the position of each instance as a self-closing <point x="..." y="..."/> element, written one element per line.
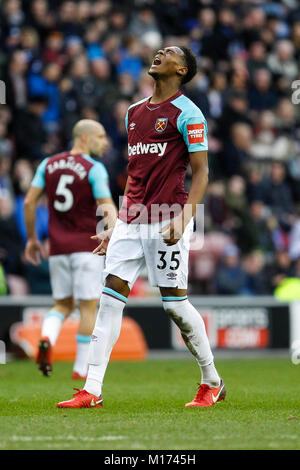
<point x="166" y="132"/>
<point x="75" y="184"/>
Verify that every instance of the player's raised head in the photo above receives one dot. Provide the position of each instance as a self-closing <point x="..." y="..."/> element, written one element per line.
<point x="174" y="61"/>
<point x="90" y="136"/>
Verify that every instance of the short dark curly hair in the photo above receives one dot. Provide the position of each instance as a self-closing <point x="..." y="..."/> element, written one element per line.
<point x="191" y="63"/>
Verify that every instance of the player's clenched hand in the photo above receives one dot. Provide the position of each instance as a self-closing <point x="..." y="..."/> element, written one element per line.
<point x="104" y="237"/>
<point x="33" y="251"/>
<point x="173" y="231"/>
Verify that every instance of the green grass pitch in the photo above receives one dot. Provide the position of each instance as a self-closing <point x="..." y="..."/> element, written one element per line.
<point x="144" y="408"/>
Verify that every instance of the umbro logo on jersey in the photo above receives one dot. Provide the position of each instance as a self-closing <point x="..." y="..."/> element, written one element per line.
<point x="195" y="133"/>
<point x="144" y="149"/>
<point x="132" y="126"/>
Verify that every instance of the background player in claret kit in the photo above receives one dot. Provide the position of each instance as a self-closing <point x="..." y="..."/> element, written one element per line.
<point x="166" y="132"/>
<point x="75" y="184"/>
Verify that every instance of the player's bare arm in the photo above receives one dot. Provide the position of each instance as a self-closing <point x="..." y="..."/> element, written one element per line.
<point x="109" y="213"/>
<point x="173" y="231"/>
<point x="33" y="249"/>
<point x="106" y="234"/>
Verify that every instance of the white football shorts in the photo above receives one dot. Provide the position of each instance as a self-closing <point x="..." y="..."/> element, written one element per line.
<point x="133" y="247"/>
<point x="77" y="274"/>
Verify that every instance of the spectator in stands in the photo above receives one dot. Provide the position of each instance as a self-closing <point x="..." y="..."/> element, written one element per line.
<point x="216" y="205"/>
<point x="6" y="145"/>
<point x="202" y="31"/>
<point x="10" y="241"/>
<point x="93" y="41"/>
<point x="295" y="37"/>
<point x="235" y="111"/>
<point x="256" y="281"/>
<point x="262" y="226"/>
<point x="73" y="46"/>
<point x="278" y="195"/>
<point x="29" y="42"/>
<point x="83" y="12"/>
<point x="68" y="22"/>
<point x="29" y="129"/>
<point x="143" y="22"/>
<point x="230" y="277"/>
<point x="269" y="142"/>
<point x="257" y="58"/>
<point x="13" y="15"/>
<point x="16" y="81"/>
<point x="46" y="84"/>
<point x="253" y="23"/>
<point x="238" y="78"/>
<point x="41" y="18"/>
<point x="261" y="94"/>
<point x="5" y="177"/>
<point x="170" y="18"/>
<point x="107" y="92"/>
<point x="238" y="222"/>
<point x="118" y="22"/>
<point x="82" y="81"/>
<point x="69" y="109"/>
<point x="130" y="60"/>
<point x="255" y="187"/>
<point x="235" y="154"/>
<point x="279" y="269"/>
<point x="216" y="46"/>
<point x="216" y="95"/>
<point x="236" y="200"/>
<point x="285" y="117"/>
<point x="53" y="50"/>
<point x="282" y="62"/>
<point x="127" y="86"/>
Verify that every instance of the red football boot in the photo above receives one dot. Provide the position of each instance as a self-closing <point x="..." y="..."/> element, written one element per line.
<point x="44" y="357"/>
<point x="76" y="376"/>
<point x="208" y="396"/>
<point x="82" y="399"/>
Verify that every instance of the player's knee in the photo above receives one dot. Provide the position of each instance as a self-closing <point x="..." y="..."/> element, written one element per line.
<point x="88" y="307"/>
<point x="117" y="284"/>
<point x="65" y="306"/>
<point x="173" y="292"/>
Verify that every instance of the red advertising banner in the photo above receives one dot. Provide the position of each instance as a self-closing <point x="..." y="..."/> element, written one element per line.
<point x="233" y="328"/>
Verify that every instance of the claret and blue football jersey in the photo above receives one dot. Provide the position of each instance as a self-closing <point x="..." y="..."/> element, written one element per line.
<point x="160" y="138"/>
<point x="72" y="183"/>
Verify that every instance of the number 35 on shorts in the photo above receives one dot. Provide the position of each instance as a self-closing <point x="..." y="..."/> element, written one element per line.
<point x="169" y="260"/>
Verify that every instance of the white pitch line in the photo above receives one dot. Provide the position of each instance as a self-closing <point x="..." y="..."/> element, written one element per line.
<point x="64" y="438"/>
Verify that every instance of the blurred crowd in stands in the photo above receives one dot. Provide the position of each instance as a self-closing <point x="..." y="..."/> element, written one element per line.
<point x="66" y="60"/>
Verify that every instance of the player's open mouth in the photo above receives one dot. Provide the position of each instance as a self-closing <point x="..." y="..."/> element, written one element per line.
<point x="156" y="61"/>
